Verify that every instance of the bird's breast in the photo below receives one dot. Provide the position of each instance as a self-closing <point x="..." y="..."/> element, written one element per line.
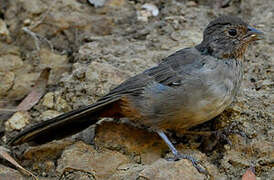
<point x="217" y="89"/>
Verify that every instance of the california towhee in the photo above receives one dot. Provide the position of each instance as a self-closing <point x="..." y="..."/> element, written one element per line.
<point x="187" y="88"/>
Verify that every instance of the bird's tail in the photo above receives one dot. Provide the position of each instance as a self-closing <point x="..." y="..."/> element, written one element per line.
<point x="64" y="125"/>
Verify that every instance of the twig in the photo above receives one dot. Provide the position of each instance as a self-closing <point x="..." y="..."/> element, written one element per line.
<point x="5" y="155"/>
<point x="34" y="36"/>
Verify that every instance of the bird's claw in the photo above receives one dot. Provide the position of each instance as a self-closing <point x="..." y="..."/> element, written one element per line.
<point x="195" y="162"/>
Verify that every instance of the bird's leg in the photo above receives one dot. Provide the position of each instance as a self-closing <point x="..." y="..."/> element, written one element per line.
<point x="178" y="156"/>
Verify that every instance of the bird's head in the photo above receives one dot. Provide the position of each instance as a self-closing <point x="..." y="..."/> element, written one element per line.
<point x="228" y="37"/>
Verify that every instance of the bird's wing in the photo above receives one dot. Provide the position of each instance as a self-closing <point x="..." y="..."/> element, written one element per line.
<point x="171" y="72"/>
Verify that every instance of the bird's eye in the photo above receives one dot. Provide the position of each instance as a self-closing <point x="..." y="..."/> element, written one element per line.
<point x="232" y="32"/>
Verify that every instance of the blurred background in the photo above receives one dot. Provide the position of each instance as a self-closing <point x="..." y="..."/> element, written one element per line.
<point x="92" y="46"/>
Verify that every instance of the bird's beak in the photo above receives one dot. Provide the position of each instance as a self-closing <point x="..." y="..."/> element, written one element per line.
<point x="254" y="33"/>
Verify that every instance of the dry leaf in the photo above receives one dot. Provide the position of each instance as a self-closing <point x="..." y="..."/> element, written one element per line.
<point x="38" y="91"/>
<point x="4" y="154"/>
<point x="249" y="174"/>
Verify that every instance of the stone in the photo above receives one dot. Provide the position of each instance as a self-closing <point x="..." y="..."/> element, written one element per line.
<point x="17" y="121"/>
<point x="143" y="15"/>
<point x="101" y="164"/>
<point x="62" y="105"/>
<point x="57" y="63"/>
<point x="22" y="85"/>
<point x="130" y="140"/>
<point x="9" y="173"/>
<point x="10" y="62"/>
<point x="176" y="170"/>
<point x="41" y="159"/>
<point x="190" y="37"/>
<point x="48" y="100"/>
<point x="76" y="174"/>
<point x="148" y="10"/>
<point x="260" y="151"/>
<point x="97" y="3"/>
<point x="46" y="152"/>
<point x="49" y="166"/>
<point x="264" y="151"/>
<point x="27" y="22"/>
<point x="50" y="114"/>
<point x="117" y="3"/>
<point x="102" y="77"/>
<point x="4" y="32"/>
<point x="191" y="4"/>
<point x="9" y="49"/>
<point x="7" y="81"/>
<point x="34" y="7"/>
<point x="128" y="171"/>
<point x="151" y="8"/>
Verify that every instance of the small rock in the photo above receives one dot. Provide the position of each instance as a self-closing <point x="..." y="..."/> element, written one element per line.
<point x="175" y="36"/>
<point x="42" y="158"/>
<point x="46" y="153"/>
<point x="44" y="174"/>
<point x="57" y="63"/>
<point x="264" y="151"/>
<point x="193" y="37"/>
<point x="7" y="81"/>
<point x="85" y="158"/>
<point x="27" y="22"/>
<point x="22" y="85"/>
<point x="9" y="173"/>
<point x="143" y="15"/>
<point x="48" y="100"/>
<point x="176" y="170"/>
<point x="50" y="114"/>
<point x="34" y="7"/>
<point x="130" y="140"/>
<point x="10" y="62"/>
<point x="191" y="4"/>
<point x="117" y="3"/>
<point x="128" y="171"/>
<point x="87" y="135"/>
<point x="9" y="49"/>
<point x="49" y="166"/>
<point x="3" y="28"/>
<point x="4" y="32"/>
<point x="62" y="105"/>
<point x="102" y="77"/>
<point x="147" y="11"/>
<point x="17" y="121"/>
<point x="76" y="174"/>
<point x="264" y="84"/>
<point x="151" y="8"/>
<point x="97" y="3"/>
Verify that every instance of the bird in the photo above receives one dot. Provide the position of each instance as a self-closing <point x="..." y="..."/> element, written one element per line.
<point x="187" y="88"/>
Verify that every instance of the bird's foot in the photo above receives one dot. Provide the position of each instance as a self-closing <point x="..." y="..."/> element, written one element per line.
<point x="179" y="156"/>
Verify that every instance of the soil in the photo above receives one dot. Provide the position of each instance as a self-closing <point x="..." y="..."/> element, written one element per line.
<point x="92" y="46"/>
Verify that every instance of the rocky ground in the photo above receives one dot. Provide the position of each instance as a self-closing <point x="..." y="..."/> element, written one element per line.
<point x="92" y="46"/>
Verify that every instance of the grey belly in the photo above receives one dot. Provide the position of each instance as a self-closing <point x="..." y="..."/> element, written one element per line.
<point x="197" y="112"/>
<point x="180" y="109"/>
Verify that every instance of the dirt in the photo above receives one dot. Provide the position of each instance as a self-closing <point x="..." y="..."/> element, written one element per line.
<point x="91" y="49"/>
